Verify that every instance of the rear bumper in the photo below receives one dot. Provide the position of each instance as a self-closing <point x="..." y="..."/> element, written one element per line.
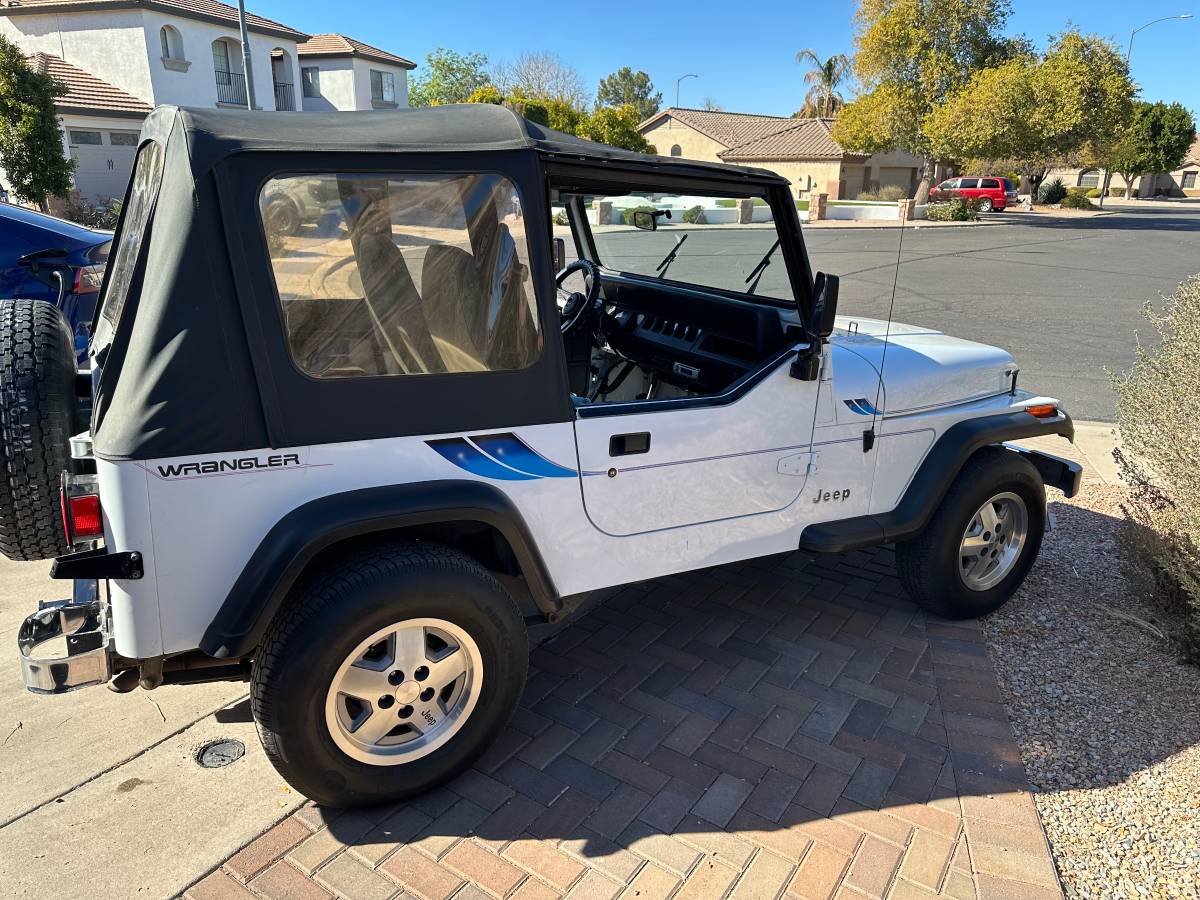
<point x="65" y="645"/>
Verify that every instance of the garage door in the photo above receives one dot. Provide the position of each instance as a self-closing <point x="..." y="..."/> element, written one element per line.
<point x="103" y="161"/>
<point x="899" y="176"/>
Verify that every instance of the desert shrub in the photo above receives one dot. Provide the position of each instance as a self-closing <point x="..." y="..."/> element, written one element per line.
<point x="1156" y="410"/>
<point x="893" y="192"/>
<point x="627" y="215"/>
<point x="1076" y="201"/>
<point x="957" y="209"/>
<point x="1094" y="192"/>
<point x="560" y="218"/>
<point x="1078" y="191"/>
<point x="1116" y="192"/>
<point x="695" y="216"/>
<point x="1052" y="191"/>
<point x="92" y="215"/>
<point x="866" y="195"/>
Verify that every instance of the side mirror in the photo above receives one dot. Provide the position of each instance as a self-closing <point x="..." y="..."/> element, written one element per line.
<point x="559" y="249"/>
<point x="825" y="301"/>
<point x="818" y="327"/>
<point x="645" y="219"/>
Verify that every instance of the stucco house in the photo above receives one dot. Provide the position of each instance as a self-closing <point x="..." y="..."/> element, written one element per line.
<point x="129" y="56"/>
<point x="1181" y="182"/>
<point x="338" y="72"/>
<point x="801" y="150"/>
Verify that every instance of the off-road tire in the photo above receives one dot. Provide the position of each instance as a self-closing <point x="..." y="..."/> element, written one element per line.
<point x="328" y="614"/>
<point x="282" y="217"/>
<point x="38" y="415"/>
<point x="928" y="564"/>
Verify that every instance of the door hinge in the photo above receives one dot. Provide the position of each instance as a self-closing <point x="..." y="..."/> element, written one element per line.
<point x="800" y="464"/>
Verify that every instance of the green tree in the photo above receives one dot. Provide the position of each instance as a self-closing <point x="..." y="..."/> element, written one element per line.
<point x="449" y="77"/>
<point x="31" y="149"/>
<point x="910" y="55"/>
<point x="1068" y="105"/>
<point x="823" y="77"/>
<point x="616" y="126"/>
<point x="1156" y="139"/>
<point x="557" y="114"/>
<point x="626" y="86"/>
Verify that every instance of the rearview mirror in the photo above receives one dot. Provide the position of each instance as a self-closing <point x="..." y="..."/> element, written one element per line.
<point x="645" y="219"/>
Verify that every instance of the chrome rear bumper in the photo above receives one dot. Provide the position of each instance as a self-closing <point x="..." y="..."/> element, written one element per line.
<point x="64" y="646"/>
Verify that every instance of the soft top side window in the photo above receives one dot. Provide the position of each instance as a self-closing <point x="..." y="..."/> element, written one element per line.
<point x="390" y="274"/>
<point x="131" y="236"/>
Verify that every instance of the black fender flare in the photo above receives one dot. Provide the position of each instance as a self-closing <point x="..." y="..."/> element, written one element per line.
<point x="937" y="472"/>
<point x="299" y="536"/>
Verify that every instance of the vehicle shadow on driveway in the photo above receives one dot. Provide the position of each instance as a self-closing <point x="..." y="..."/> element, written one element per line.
<point x="791" y="717"/>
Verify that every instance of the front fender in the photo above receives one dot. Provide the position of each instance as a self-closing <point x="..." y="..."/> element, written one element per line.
<point x="299" y="536"/>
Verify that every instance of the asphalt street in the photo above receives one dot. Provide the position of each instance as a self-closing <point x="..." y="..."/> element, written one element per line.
<point x="1063" y="295"/>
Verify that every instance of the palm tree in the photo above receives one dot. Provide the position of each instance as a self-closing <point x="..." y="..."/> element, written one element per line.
<point x="823" y="78"/>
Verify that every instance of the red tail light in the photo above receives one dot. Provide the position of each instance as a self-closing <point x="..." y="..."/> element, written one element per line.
<point x="88" y="279"/>
<point x="81" y="513"/>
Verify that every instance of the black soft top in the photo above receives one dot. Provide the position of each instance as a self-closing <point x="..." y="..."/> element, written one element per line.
<point x="214" y="134"/>
<point x="197" y="361"/>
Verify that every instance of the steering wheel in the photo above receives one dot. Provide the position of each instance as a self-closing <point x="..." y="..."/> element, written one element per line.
<point x="576" y="307"/>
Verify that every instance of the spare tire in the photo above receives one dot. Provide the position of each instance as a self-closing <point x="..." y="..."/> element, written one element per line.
<point x="37" y="418"/>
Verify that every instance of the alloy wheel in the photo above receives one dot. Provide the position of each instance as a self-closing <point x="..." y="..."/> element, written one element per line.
<point x="404" y="691"/>
<point x="993" y="541"/>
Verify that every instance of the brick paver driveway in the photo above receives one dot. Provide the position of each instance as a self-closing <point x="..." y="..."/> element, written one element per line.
<point x="786" y="727"/>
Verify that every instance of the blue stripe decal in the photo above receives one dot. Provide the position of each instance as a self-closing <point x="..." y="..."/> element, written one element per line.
<point x="467" y="456"/>
<point x="861" y="406"/>
<point x="512" y="451"/>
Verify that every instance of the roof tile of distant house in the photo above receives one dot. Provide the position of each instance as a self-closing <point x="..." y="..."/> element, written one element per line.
<point x="730" y="129"/>
<point x="85" y="92"/>
<point x="753" y="138"/>
<point x="340" y="45"/>
<point x="803" y="139"/>
<point x="206" y="10"/>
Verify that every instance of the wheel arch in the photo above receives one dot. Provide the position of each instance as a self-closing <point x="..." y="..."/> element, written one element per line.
<point x="472" y="516"/>
<point x="959" y="444"/>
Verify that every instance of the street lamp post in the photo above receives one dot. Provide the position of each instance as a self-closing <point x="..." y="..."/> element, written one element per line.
<point x="679" y="81"/>
<point x="1129" y="52"/>
<point x="246" y="54"/>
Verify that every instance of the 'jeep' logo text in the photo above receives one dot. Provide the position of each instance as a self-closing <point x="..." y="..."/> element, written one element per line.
<point x="238" y="464"/>
<point x="826" y="496"/>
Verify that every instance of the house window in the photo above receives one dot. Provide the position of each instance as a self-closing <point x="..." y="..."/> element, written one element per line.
<point x="1090" y="178"/>
<point x="1189" y="180"/>
<point x="123" y="138"/>
<point x="171" y="42"/>
<point x="383" y="87"/>
<point x="310" y="81"/>
<point x="79" y="138"/>
<point x="676" y="150"/>
<point x="221" y="56"/>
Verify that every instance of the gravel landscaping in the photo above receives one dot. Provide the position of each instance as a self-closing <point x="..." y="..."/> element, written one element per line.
<point x="1106" y="713"/>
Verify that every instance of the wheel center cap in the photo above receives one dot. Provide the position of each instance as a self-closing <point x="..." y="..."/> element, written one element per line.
<point x="407" y="692"/>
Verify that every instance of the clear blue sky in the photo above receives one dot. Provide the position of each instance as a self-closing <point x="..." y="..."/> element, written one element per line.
<point x="744" y="62"/>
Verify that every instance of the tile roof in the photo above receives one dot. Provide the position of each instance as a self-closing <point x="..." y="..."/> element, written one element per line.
<point x="340" y="45"/>
<point x="85" y="92"/>
<point x="207" y="10"/>
<point x="754" y="138"/>
<point x="803" y="139"/>
<point x="730" y="129"/>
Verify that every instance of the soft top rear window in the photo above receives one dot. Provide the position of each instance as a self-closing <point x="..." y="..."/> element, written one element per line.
<point x="147" y="175"/>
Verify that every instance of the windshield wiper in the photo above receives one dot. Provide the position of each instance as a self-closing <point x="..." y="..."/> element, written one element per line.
<point x="666" y="261"/>
<point x="756" y="273"/>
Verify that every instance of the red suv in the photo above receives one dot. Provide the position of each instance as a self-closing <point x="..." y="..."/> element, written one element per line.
<point x="993" y="193"/>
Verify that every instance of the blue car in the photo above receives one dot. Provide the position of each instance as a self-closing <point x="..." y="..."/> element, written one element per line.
<point x="44" y="258"/>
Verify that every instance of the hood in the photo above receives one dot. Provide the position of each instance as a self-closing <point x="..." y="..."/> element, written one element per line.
<point x="925" y="367"/>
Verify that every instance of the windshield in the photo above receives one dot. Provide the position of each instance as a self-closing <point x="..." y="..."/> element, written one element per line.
<point x="725" y="243"/>
<point x="135" y="220"/>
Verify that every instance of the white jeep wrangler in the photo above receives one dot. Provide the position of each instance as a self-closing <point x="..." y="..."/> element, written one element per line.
<point x="350" y="458"/>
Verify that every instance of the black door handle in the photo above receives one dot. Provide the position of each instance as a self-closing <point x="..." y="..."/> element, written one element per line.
<point x="627" y="444"/>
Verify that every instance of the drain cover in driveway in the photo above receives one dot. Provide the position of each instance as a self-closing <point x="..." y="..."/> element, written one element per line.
<point x="216" y="754"/>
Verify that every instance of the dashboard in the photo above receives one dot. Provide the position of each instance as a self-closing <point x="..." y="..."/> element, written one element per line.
<point x="693" y="340"/>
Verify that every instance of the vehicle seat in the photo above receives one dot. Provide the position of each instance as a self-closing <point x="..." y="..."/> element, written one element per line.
<point x="455" y="306"/>
<point x="392" y="298"/>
